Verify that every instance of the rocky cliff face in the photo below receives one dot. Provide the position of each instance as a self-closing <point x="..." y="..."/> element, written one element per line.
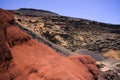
<point x="72" y="33"/>
<point x="25" y="58"/>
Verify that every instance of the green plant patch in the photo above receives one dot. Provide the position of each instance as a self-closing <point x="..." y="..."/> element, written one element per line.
<point x="118" y="65"/>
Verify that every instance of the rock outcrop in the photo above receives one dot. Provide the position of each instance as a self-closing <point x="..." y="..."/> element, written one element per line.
<point x="25" y="58"/>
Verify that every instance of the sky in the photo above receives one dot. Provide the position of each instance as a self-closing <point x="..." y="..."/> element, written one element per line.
<point x="107" y="11"/>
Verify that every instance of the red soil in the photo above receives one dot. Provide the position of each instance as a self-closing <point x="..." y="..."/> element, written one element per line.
<point x="29" y="59"/>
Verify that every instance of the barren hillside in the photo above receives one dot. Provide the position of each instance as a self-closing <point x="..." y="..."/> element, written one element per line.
<point x="70" y="33"/>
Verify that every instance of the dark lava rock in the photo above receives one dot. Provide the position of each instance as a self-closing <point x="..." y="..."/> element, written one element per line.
<point x="111" y="75"/>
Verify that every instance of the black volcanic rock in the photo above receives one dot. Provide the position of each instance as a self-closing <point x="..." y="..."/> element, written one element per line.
<point x="111" y="75"/>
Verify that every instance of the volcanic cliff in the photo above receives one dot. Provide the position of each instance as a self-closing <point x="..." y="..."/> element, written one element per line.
<point x="25" y="58"/>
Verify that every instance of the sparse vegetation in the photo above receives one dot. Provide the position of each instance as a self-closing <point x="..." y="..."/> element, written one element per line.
<point x="118" y="65"/>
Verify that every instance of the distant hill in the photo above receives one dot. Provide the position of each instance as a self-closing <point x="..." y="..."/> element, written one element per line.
<point x="33" y="12"/>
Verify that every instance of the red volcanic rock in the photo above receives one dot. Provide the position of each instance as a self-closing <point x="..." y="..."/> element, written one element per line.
<point x="16" y="36"/>
<point x="5" y="54"/>
<point x="88" y="61"/>
<point x="24" y="58"/>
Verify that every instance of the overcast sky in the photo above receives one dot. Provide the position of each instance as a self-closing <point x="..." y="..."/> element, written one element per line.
<point x="107" y="11"/>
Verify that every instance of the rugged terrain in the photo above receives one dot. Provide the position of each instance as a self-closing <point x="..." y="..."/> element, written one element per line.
<point x="70" y="33"/>
<point x="23" y="57"/>
<point x="80" y="36"/>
